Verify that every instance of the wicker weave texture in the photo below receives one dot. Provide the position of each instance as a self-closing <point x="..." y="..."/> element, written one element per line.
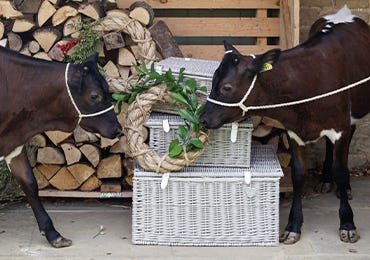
<point x="200" y="70"/>
<point x="220" y="151"/>
<point x="209" y="206"/>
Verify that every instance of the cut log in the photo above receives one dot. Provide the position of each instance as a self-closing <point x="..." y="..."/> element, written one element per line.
<point x="92" y="183"/>
<point x="15" y="41"/>
<point x="46" y="37"/>
<point x="121" y="147"/>
<point x="92" y="153"/>
<point x="117" y="12"/>
<point x="106" y="142"/>
<point x="4" y="42"/>
<point x="8" y="11"/>
<point x="38" y="140"/>
<point x="62" y="14"/>
<point x="23" y="25"/>
<point x="284" y="159"/>
<point x="46" y="11"/>
<point x="262" y="131"/>
<point x="48" y="170"/>
<point x="50" y="155"/>
<point x="56" y="137"/>
<point x="111" y="70"/>
<point x="56" y="52"/>
<point x="285" y="140"/>
<point x="42" y="182"/>
<point x="125" y="57"/>
<point x="81" y="171"/>
<point x="71" y="153"/>
<point x="272" y="122"/>
<point x="42" y="55"/>
<point x="92" y="10"/>
<point x="165" y="42"/>
<point x="274" y="141"/>
<point x="111" y="186"/>
<point x="82" y="136"/>
<point x="128" y="164"/>
<point x="136" y="51"/>
<point x="27" y="7"/>
<point x="72" y="25"/>
<point x="256" y="120"/>
<point x="33" y="47"/>
<point x="2" y="30"/>
<point x="64" y="180"/>
<point x="113" y="40"/>
<point x="110" y="167"/>
<point x="142" y="12"/>
<point x="124" y="71"/>
<point x="109" y="5"/>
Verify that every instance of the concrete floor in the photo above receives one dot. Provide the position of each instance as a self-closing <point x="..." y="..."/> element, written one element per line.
<point x="80" y="221"/>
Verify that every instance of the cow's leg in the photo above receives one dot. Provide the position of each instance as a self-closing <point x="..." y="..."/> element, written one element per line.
<point x="22" y="172"/>
<point x="347" y="228"/>
<point x="292" y="231"/>
<point x="326" y="181"/>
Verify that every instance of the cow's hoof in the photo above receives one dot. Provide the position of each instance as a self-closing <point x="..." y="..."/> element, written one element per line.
<point x="289" y="238"/>
<point x="61" y="242"/>
<point x="349" y="236"/>
<point x="324" y="187"/>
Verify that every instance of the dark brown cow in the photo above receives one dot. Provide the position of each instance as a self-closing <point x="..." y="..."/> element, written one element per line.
<point x="38" y="95"/>
<point x="333" y="58"/>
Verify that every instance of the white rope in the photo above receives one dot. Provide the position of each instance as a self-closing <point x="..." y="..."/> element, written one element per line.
<point x="292" y="103"/>
<point x="80" y="115"/>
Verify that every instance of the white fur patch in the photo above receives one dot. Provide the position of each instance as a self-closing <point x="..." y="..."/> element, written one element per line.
<point x="12" y="155"/>
<point x="331" y="134"/>
<point x="344" y="15"/>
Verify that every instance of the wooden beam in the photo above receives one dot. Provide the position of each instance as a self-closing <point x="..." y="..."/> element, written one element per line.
<point x="84" y="194"/>
<point x="214" y="4"/>
<point x="216" y="52"/>
<point x="210" y="26"/>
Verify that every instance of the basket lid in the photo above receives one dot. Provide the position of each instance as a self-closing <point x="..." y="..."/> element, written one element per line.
<point x="264" y="163"/>
<point x="194" y="67"/>
<point x="156" y="120"/>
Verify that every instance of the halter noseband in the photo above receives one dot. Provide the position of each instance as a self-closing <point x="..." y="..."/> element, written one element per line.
<point x="80" y="115"/>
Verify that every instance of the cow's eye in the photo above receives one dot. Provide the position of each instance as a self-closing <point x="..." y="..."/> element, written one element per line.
<point x="227" y="87"/>
<point x="94" y="96"/>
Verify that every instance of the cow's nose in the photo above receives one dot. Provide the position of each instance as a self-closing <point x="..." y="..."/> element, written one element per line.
<point x="203" y="122"/>
<point x="118" y="131"/>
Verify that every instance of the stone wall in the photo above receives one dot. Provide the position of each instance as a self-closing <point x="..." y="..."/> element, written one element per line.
<point x="310" y="11"/>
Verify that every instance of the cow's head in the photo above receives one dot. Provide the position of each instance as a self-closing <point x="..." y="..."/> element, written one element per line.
<point x="231" y="82"/>
<point x="90" y="92"/>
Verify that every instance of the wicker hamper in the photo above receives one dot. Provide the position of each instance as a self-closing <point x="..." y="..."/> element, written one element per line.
<point x="200" y="70"/>
<point x="220" y="151"/>
<point x="210" y="206"/>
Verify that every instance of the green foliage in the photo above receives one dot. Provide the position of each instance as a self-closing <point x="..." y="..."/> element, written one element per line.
<point x="9" y="189"/>
<point x="182" y="91"/>
<point x="90" y="41"/>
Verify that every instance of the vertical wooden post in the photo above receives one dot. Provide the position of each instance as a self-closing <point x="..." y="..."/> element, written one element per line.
<point x="261" y="13"/>
<point x="289" y="23"/>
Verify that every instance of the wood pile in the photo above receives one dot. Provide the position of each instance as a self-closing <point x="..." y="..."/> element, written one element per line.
<point x="81" y="160"/>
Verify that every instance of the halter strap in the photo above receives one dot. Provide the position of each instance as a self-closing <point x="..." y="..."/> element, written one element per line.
<point x="80" y="115"/>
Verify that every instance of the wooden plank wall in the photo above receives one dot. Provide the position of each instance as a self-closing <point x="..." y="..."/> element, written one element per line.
<point x="253" y="26"/>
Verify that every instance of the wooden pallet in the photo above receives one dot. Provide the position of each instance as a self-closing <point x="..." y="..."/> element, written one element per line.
<point x="200" y="26"/>
<point x="84" y="194"/>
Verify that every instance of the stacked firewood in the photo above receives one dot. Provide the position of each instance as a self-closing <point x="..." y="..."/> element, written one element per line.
<point x="42" y="29"/>
<point x="81" y="160"/>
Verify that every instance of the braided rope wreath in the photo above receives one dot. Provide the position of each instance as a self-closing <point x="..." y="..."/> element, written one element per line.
<point x="139" y="111"/>
<point x="137" y="114"/>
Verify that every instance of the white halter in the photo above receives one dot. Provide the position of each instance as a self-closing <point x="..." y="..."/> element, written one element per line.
<point x="80" y="115"/>
<point x="245" y="109"/>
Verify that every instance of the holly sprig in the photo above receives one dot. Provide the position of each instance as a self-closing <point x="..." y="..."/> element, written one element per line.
<point x="183" y="93"/>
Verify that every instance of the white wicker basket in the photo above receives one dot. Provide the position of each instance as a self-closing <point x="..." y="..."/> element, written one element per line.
<point x="209" y="206"/>
<point x="221" y="151"/>
<point x="200" y="70"/>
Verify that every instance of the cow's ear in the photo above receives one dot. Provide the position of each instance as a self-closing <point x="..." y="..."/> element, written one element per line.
<point x="89" y="63"/>
<point x="265" y="61"/>
<point x="229" y="48"/>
